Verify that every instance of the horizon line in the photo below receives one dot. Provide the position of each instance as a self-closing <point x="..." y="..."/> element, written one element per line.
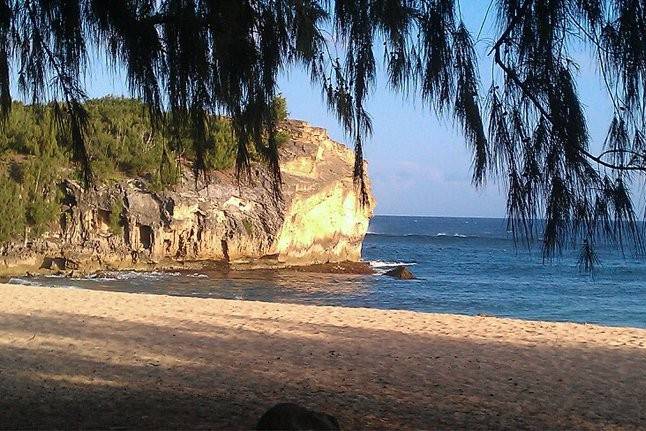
<point x="435" y="216"/>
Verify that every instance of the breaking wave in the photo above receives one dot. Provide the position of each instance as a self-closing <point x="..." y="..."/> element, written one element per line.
<point x="382" y="264"/>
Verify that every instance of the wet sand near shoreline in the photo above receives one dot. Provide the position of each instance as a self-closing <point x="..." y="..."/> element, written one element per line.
<point x="74" y="358"/>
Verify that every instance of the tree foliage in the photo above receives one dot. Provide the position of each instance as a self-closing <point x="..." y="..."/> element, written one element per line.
<point x="188" y="59"/>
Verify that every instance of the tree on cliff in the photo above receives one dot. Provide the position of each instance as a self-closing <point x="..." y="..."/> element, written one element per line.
<point x="190" y="58"/>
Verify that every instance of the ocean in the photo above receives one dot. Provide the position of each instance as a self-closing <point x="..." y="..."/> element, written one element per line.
<point x="463" y="265"/>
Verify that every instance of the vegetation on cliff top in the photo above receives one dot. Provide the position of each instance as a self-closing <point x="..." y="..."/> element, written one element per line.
<point x="124" y="144"/>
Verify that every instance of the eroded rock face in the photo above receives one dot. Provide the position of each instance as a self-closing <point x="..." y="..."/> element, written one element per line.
<point x="319" y="218"/>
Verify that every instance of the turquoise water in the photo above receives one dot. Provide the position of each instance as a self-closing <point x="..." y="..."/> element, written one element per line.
<point x="464" y="265"/>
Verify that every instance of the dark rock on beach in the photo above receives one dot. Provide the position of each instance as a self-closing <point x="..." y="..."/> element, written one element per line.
<point x="346" y="267"/>
<point x="292" y="417"/>
<point x="401" y="272"/>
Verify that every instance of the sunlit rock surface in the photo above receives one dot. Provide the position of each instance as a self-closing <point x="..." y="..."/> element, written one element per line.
<point x="318" y="219"/>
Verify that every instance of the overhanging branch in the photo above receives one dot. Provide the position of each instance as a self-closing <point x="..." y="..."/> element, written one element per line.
<point x="513" y="76"/>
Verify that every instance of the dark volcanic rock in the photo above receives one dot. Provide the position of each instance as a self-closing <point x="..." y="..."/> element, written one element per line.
<point x="288" y="416"/>
<point x="400" y="272"/>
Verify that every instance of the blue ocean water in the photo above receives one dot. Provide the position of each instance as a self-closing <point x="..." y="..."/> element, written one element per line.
<point x="464" y="265"/>
<point x="473" y="266"/>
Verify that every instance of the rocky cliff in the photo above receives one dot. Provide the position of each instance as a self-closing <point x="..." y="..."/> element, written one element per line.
<point x="319" y="218"/>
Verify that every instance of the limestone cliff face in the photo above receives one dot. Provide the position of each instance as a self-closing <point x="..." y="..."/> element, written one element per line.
<point x="319" y="219"/>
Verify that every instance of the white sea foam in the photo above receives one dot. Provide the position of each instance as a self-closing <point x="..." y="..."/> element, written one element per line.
<point x="33" y="283"/>
<point x="23" y="282"/>
<point x="98" y="279"/>
<point x="132" y="275"/>
<point x="382" y="264"/>
<point x="455" y="235"/>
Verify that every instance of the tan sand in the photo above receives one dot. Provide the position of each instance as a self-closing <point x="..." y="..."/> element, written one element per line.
<point x="78" y="358"/>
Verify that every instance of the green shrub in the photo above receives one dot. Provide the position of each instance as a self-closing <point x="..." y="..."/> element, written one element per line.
<point x="122" y="140"/>
<point x="40" y="213"/>
<point x="279" y="108"/>
<point x="222" y="144"/>
<point x="115" y="222"/>
<point x="248" y="227"/>
<point x="31" y="198"/>
<point x="12" y="211"/>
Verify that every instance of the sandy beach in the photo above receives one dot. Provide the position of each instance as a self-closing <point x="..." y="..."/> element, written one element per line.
<point x="89" y="359"/>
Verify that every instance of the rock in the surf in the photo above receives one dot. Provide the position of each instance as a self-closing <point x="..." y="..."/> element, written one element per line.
<point x="289" y="416"/>
<point x="401" y="272"/>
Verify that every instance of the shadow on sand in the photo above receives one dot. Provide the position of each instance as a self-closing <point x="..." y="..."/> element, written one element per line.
<point x="81" y="371"/>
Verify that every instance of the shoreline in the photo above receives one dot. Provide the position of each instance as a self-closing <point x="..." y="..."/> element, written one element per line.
<point x="5" y="283"/>
<point x="153" y="360"/>
<point x="345" y="267"/>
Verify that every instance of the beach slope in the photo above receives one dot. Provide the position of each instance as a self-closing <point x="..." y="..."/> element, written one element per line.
<point x="89" y="359"/>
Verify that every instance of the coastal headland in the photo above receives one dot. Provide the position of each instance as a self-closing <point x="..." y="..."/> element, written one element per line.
<point x="72" y="358"/>
<point x="317" y="217"/>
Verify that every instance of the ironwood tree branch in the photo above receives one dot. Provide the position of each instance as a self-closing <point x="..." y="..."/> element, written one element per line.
<point x="513" y="76"/>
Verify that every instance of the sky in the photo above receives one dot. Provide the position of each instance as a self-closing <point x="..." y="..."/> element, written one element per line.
<point x="418" y="164"/>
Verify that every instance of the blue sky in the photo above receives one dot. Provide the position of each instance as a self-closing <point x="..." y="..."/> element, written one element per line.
<point x="418" y="163"/>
